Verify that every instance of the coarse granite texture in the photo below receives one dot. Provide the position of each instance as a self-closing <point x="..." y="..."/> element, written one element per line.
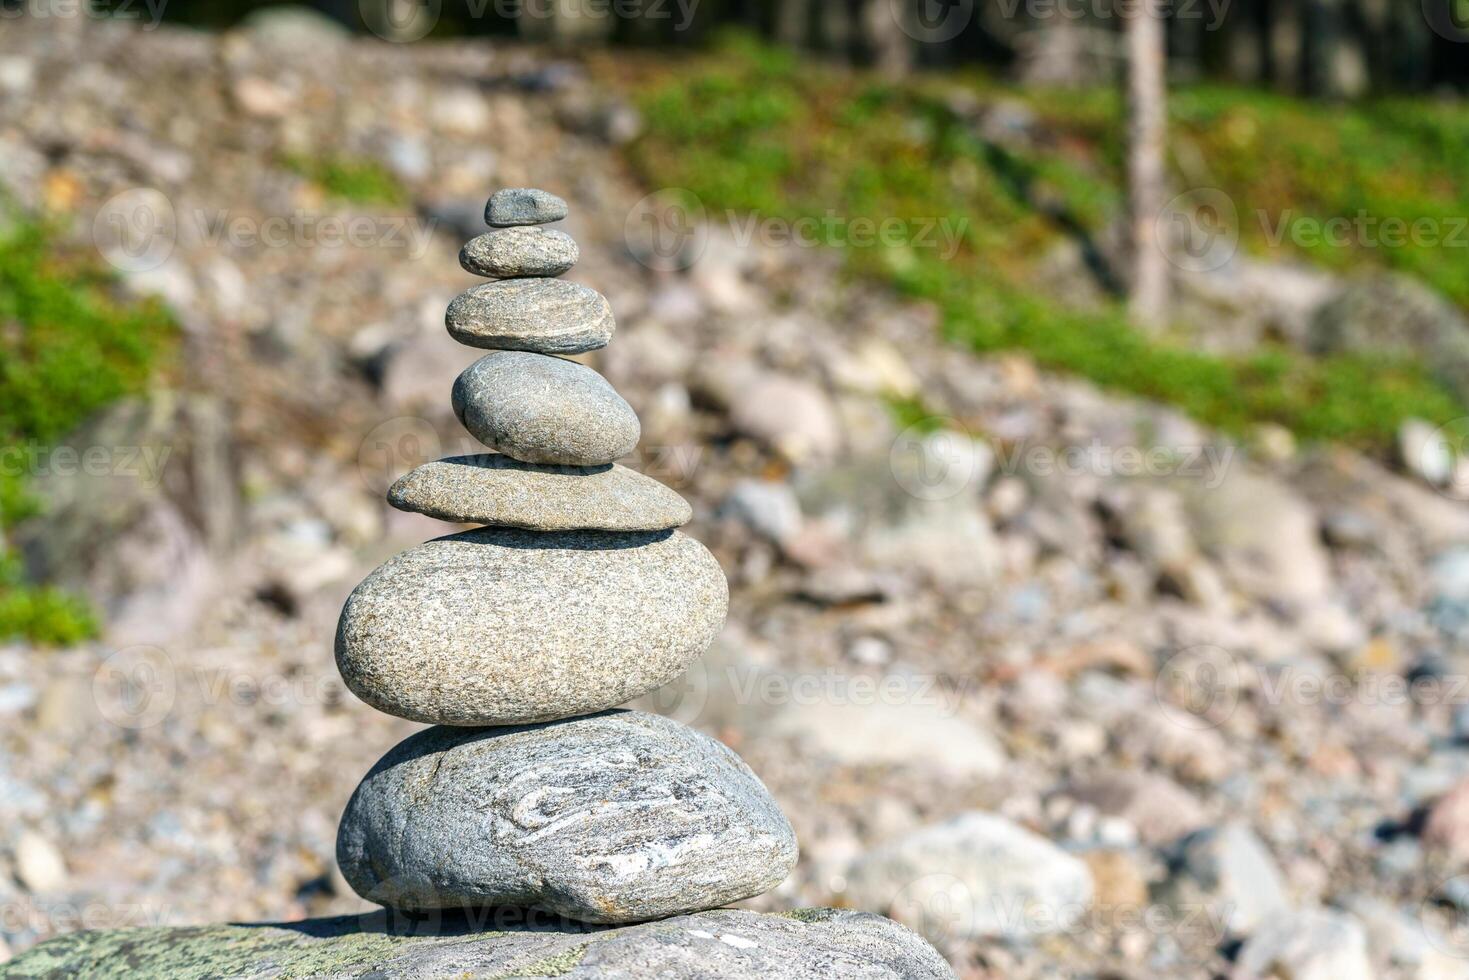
<point x="541" y="409"/>
<point x="493" y="489"/>
<point x="808" y="944"/>
<point x="613" y="818"/>
<point x="547" y="316"/>
<point x="510" y="253"/>
<point x="523" y="206"/>
<point x="501" y="626"/>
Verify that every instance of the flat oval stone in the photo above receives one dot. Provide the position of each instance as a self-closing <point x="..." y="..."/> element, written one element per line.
<point x="510" y="253"/>
<point x="614" y="818"/>
<point x="523" y="206"/>
<point x="494" y="489"/>
<point x="547" y="316"/>
<point x="502" y="626"/>
<point x="540" y="409"/>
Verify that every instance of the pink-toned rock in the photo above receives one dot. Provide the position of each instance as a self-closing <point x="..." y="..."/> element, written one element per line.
<point x="1447" y="826"/>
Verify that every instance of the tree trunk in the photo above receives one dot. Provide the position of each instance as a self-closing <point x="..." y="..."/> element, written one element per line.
<point x="1146" y="173"/>
<point x="565" y="22"/>
<point x="1286" y="42"/>
<point x="793" y="22"/>
<point x="889" y="45"/>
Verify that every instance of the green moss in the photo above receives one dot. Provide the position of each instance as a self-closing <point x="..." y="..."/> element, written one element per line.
<point x="811" y="916"/>
<point x="358" y="181"/>
<point x="320" y="947"/>
<point x="203" y="952"/>
<point x="747" y="130"/>
<point x="67" y="349"/>
<point x="549" y="966"/>
<point x="912" y="413"/>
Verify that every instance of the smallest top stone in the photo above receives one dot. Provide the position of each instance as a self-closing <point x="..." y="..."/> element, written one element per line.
<point x="523" y="206"/>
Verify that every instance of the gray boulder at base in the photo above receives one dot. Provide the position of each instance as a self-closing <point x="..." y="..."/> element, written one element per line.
<point x="500" y="626"/>
<point x="810" y="944"/>
<point x="498" y="490"/>
<point x="512" y="252"/>
<point x="523" y="206"/>
<point x="541" y="409"/>
<point x="611" y="818"/>
<point x="548" y="316"/>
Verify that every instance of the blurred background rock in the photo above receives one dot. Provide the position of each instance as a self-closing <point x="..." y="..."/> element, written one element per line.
<point x="1087" y="646"/>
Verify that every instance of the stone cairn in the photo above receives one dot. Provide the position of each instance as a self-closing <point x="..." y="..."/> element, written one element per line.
<point x="575" y="595"/>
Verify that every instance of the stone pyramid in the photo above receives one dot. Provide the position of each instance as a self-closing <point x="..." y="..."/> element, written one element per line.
<point x="517" y="638"/>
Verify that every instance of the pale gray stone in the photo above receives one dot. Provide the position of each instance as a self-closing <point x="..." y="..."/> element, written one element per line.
<point x="548" y="316"/>
<point x="503" y="626"/>
<point x="498" y="490"/>
<point x="541" y="409"/>
<point x="1228" y="872"/>
<point x="511" y="253"/>
<point x="611" y="818"/>
<point x="808" y="944"/>
<point x="1315" y="944"/>
<point x="975" y="876"/>
<point x="523" y="206"/>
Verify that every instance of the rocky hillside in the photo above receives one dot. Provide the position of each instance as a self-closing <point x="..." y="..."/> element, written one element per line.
<point x="1066" y="682"/>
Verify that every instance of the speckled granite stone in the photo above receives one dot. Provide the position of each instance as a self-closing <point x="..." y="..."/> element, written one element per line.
<point x="513" y="252"/>
<point x="523" y="206"/>
<point x="548" y="316"/>
<point x="808" y="944"/>
<point x="613" y="818"/>
<point x="503" y="626"/>
<point x="495" y="489"/>
<point x="541" y="409"/>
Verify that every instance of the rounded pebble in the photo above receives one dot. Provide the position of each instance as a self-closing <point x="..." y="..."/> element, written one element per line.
<point x="511" y="253"/>
<point x="614" y="818"/>
<point x="498" y="490"/>
<point x="541" y="409"/>
<point x="501" y="626"/>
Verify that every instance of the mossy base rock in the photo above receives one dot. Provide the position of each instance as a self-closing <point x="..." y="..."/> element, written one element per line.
<point x="807" y="945"/>
<point x="501" y="626"/>
<point x="613" y="818"/>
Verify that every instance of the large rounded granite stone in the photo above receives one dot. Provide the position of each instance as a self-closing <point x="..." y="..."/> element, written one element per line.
<point x="541" y="409"/>
<point x="612" y="818"/>
<point x="499" y="626"/>
<point x="548" y="316"/>
<point x="498" y="490"/>
<point x="809" y="944"/>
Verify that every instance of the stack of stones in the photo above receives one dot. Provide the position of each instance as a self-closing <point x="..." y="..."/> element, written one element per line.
<point x="514" y="639"/>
